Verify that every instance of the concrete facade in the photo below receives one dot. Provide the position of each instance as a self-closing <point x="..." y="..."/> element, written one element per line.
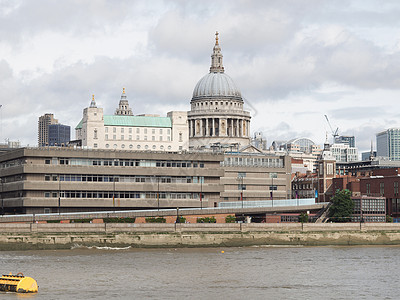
<point x="49" y="180"/>
<point x="43" y="128"/>
<point x="254" y="177"/>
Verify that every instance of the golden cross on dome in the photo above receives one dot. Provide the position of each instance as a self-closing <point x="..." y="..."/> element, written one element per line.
<point x="123" y="90"/>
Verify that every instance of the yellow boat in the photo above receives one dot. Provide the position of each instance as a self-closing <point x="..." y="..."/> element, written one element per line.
<point x="18" y="283"/>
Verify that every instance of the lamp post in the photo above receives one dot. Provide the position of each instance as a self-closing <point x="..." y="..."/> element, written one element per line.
<point x="59" y="194"/>
<point x="2" y="199"/>
<point x="201" y="192"/>
<point x="158" y="190"/>
<point x="272" y="187"/>
<point x="158" y="193"/>
<point x="114" y="192"/>
<point x="240" y="178"/>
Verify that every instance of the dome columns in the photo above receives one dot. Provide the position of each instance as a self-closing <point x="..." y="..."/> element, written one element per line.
<point x="219" y="127"/>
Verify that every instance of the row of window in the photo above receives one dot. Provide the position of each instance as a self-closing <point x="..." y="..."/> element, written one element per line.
<point x="382" y="188"/>
<point x="221" y="103"/>
<point x="145" y="130"/>
<point x="139" y="147"/>
<point x="121" y="195"/>
<point x="302" y="186"/>
<point x="122" y="138"/>
<point x="126" y="163"/>
<point x="125" y="178"/>
<point x="253" y="162"/>
<point x="369" y="219"/>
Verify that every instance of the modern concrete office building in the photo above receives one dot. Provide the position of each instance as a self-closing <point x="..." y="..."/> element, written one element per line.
<point x="43" y="128"/>
<point x="48" y="180"/>
<point x="45" y="180"/>
<point x="388" y="144"/>
<point x="344" y="153"/>
<point x="59" y="135"/>
<point x="346" y="139"/>
<point x="255" y="177"/>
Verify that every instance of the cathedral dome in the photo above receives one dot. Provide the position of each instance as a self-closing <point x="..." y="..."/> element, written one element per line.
<point x="216" y="85"/>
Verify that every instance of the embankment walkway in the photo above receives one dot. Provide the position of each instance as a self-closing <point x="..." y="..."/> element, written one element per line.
<point x="14" y="236"/>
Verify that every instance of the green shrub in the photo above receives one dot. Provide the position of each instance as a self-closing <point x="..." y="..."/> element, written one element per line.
<point x="230" y="219"/>
<point x="207" y="220"/>
<point x="389" y="219"/>
<point x="81" y="220"/>
<point x="119" y="220"/>
<point x="182" y="220"/>
<point x="155" y="220"/>
<point x="53" y="221"/>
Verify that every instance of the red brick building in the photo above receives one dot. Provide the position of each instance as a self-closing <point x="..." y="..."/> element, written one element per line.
<point x="385" y="183"/>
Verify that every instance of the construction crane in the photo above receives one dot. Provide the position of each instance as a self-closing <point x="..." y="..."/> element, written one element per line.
<point x="334" y="133"/>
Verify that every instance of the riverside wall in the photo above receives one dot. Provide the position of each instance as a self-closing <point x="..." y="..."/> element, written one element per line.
<point x="14" y="236"/>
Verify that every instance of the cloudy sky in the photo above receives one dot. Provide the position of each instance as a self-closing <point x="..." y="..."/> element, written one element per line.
<point x="294" y="61"/>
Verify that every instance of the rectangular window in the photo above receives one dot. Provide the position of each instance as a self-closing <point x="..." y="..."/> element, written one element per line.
<point x="153" y="131"/>
<point x="396" y="187"/>
<point x="122" y="130"/>
<point x="130" y="137"/>
<point x="160" y="138"/>
<point x="382" y="188"/>
<point x="122" y="137"/>
<point x="137" y="138"/>
<point x="145" y="131"/>
<point x="137" y="130"/>
<point x="106" y="136"/>
<point x="241" y="187"/>
<point x="153" y="138"/>
<point x="114" y="129"/>
<point x="106" y="129"/>
<point x="130" y="130"/>
<point x="160" y="131"/>
<point x="114" y="137"/>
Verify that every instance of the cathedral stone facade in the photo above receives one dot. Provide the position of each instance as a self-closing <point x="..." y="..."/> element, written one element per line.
<point x="217" y="115"/>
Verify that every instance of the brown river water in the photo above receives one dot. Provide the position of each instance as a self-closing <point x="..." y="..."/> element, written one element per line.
<point x="209" y="273"/>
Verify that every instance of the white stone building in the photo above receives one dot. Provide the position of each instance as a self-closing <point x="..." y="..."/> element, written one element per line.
<point x="344" y="153"/>
<point x="124" y="131"/>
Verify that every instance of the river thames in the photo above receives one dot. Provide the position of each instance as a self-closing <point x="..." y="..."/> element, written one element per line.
<point x="209" y="273"/>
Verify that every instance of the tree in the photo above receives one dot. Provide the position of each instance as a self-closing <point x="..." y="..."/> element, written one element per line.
<point x="342" y="207"/>
<point x="303" y="217"/>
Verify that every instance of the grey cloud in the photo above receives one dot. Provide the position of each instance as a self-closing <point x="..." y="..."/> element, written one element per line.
<point x="357" y="112"/>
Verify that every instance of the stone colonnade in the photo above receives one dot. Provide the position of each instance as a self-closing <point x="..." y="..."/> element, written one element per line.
<point x="219" y="127"/>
